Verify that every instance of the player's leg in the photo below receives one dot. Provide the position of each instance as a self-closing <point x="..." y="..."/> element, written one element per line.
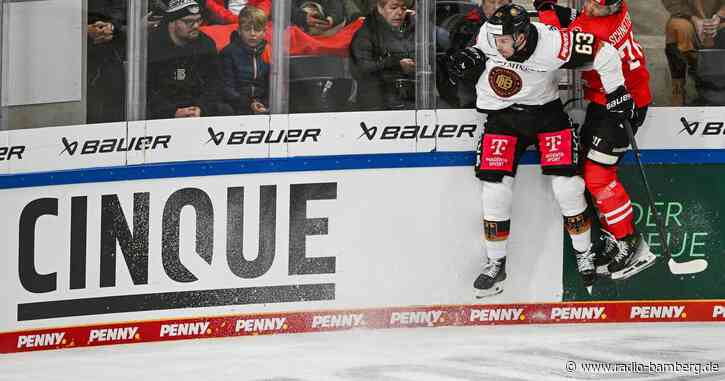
<point x="498" y="153"/>
<point x="558" y="147"/>
<point x="607" y="142"/>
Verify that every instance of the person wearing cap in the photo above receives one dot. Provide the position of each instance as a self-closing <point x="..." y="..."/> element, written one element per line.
<point x="184" y="77"/>
<point x="519" y="93"/>
<point x="603" y="136"/>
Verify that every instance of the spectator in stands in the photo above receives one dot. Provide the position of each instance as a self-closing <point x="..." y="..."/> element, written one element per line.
<point x="184" y="77"/>
<point x="244" y="72"/>
<point x="365" y="7"/>
<point x="362" y="8"/>
<point x="321" y="17"/>
<point x="462" y="31"/>
<point x="693" y="25"/>
<point x="383" y="57"/>
<point x="224" y="11"/>
<point x="106" y="53"/>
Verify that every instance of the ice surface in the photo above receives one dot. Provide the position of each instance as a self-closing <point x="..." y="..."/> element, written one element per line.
<point x="506" y="353"/>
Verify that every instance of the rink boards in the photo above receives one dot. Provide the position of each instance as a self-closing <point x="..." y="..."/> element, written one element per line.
<point x="382" y="318"/>
<point x="347" y="217"/>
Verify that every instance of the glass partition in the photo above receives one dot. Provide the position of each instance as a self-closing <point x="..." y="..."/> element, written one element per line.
<point x="99" y="61"/>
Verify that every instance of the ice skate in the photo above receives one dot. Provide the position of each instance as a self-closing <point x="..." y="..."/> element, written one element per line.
<point x="490" y="281"/>
<point x="633" y="257"/>
<point x="585" y="266"/>
<point x="604" y="249"/>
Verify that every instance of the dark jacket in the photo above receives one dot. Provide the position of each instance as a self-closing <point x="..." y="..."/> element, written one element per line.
<point x="106" y="76"/>
<point x="245" y="75"/>
<point x="376" y="51"/>
<point x="331" y="8"/>
<point x="182" y="76"/>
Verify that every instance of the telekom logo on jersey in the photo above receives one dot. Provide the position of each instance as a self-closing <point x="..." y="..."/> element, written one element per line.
<point x="498" y="146"/>
<point x="553" y="142"/>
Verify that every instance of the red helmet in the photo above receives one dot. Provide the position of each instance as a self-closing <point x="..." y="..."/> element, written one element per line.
<point x="608" y="2"/>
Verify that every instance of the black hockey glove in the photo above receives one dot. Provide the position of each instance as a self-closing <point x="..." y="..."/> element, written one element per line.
<point x="464" y="62"/>
<point x="620" y="103"/>
<point x="544" y="5"/>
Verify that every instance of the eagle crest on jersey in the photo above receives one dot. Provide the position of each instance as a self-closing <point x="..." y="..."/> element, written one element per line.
<point x="505" y="82"/>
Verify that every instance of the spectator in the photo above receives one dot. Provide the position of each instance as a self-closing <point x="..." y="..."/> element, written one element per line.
<point x="106" y="47"/>
<point x="365" y="7"/>
<point x="462" y="32"/>
<point x="244" y="72"/>
<point x="383" y="57"/>
<point x="183" y="72"/>
<point x="321" y="17"/>
<point x="224" y="11"/>
<point x="693" y="25"/>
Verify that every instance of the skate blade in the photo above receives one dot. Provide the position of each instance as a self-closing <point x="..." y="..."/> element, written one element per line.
<point x="640" y="264"/>
<point x="495" y="290"/>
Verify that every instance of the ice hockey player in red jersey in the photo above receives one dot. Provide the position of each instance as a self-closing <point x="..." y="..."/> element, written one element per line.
<point x="518" y="91"/>
<point x="603" y="135"/>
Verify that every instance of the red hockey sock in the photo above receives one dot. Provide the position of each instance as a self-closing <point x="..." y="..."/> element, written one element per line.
<point x="612" y="201"/>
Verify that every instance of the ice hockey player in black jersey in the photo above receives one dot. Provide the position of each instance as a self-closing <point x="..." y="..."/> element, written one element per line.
<point x="519" y="92"/>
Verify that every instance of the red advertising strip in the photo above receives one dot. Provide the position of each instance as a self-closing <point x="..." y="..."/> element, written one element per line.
<point x="402" y="317"/>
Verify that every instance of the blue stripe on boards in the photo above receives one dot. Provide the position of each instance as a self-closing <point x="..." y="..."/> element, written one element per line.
<point x="309" y="163"/>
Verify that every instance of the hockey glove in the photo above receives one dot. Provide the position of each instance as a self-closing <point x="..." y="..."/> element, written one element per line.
<point x="620" y="103"/>
<point x="544" y="5"/>
<point x="466" y="61"/>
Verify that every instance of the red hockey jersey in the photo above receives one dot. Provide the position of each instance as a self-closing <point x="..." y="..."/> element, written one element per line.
<point x="617" y="30"/>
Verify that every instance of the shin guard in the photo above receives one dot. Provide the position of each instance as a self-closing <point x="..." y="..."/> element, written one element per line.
<point x="610" y="198"/>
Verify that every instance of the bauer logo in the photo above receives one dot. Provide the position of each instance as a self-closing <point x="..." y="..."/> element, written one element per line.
<point x="137" y="275"/>
<point x="718" y="312"/>
<point x="185" y="329"/>
<point x="706" y="128"/>
<point x="263" y="136"/>
<point x="12" y="153"/>
<point x="41" y="340"/>
<point x="657" y="312"/>
<point x="94" y="146"/>
<point x="416" y="318"/>
<point x="445" y="131"/>
<point x="112" y="334"/>
<point x="578" y="313"/>
<point x="338" y="321"/>
<point x="497" y="314"/>
<point x="261" y="325"/>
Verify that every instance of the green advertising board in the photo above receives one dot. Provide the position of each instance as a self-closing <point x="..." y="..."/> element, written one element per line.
<point x="691" y="201"/>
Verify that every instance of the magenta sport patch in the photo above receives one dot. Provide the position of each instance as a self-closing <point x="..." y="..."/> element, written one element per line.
<point x="556" y="148"/>
<point x="498" y="152"/>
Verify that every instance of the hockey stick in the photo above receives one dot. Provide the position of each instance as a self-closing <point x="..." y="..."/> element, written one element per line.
<point x="677" y="268"/>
